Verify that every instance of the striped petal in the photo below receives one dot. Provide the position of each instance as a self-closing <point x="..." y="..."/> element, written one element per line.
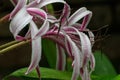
<point x="20" y="4"/>
<point x="65" y="14"/>
<point x="37" y="12"/>
<point x="21" y="19"/>
<point x="61" y="58"/>
<point x="36" y="48"/>
<point x="91" y="35"/>
<point x="79" y="14"/>
<point x="76" y="63"/>
<point x="87" y="54"/>
<point x="42" y="14"/>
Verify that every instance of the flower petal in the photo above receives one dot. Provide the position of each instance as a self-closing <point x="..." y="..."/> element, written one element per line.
<point x="18" y="23"/>
<point x="42" y="14"/>
<point x="91" y="35"/>
<point x="20" y="4"/>
<point x="65" y="14"/>
<point x="21" y="19"/>
<point x="85" y="21"/>
<point x="79" y="14"/>
<point x="37" y="12"/>
<point x="36" y="48"/>
<point x="87" y="55"/>
<point x="61" y="58"/>
<point x="76" y="53"/>
<point x="68" y="48"/>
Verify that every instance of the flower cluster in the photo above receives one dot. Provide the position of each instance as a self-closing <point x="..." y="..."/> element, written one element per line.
<point x="65" y="31"/>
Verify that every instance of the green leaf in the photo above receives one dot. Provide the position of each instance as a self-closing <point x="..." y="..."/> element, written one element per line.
<point x="117" y="77"/>
<point x="103" y="65"/>
<point x="45" y="74"/>
<point x="49" y="74"/>
<point x="49" y="50"/>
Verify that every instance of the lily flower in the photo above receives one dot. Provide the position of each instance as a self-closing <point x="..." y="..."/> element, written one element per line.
<point x="25" y="14"/>
<point x="70" y="37"/>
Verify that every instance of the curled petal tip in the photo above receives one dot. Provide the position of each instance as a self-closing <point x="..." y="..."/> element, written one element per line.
<point x="26" y="73"/>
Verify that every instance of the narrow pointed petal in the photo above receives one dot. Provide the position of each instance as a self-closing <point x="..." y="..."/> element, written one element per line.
<point x="21" y="19"/>
<point x="86" y="75"/>
<point x="87" y="55"/>
<point x="85" y="46"/>
<point x="85" y="22"/>
<point x="20" y="4"/>
<point x="92" y="65"/>
<point x="65" y="14"/>
<point x="73" y="16"/>
<point x="91" y="35"/>
<point x="76" y="53"/>
<point x="61" y="58"/>
<point x="36" y="48"/>
<point x="68" y="48"/>
<point x="78" y="15"/>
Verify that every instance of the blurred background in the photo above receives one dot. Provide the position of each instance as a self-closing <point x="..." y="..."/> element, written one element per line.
<point x="105" y="25"/>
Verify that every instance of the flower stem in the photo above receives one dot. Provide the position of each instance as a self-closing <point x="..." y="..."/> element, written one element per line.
<point x="8" y="44"/>
<point x="15" y="45"/>
<point x="5" y="18"/>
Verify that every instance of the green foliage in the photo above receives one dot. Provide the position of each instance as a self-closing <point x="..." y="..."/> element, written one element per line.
<point x="117" y="77"/>
<point x="103" y="70"/>
<point x="49" y="50"/>
<point x="103" y="65"/>
<point x="45" y="74"/>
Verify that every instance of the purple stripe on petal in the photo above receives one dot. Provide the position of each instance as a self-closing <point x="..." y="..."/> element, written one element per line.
<point x="76" y="53"/>
<point x="68" y="48"/>
<point x="85" y="21"/>
<point x="37" y="12"/>
<point x="19" y="38"/>
<point x="79" y="14"/>
<point x="20" y="4"/>
<point x="65" y="14"/>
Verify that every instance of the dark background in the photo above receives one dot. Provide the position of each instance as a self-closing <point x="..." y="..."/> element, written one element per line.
<point x="105" y="13"/>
